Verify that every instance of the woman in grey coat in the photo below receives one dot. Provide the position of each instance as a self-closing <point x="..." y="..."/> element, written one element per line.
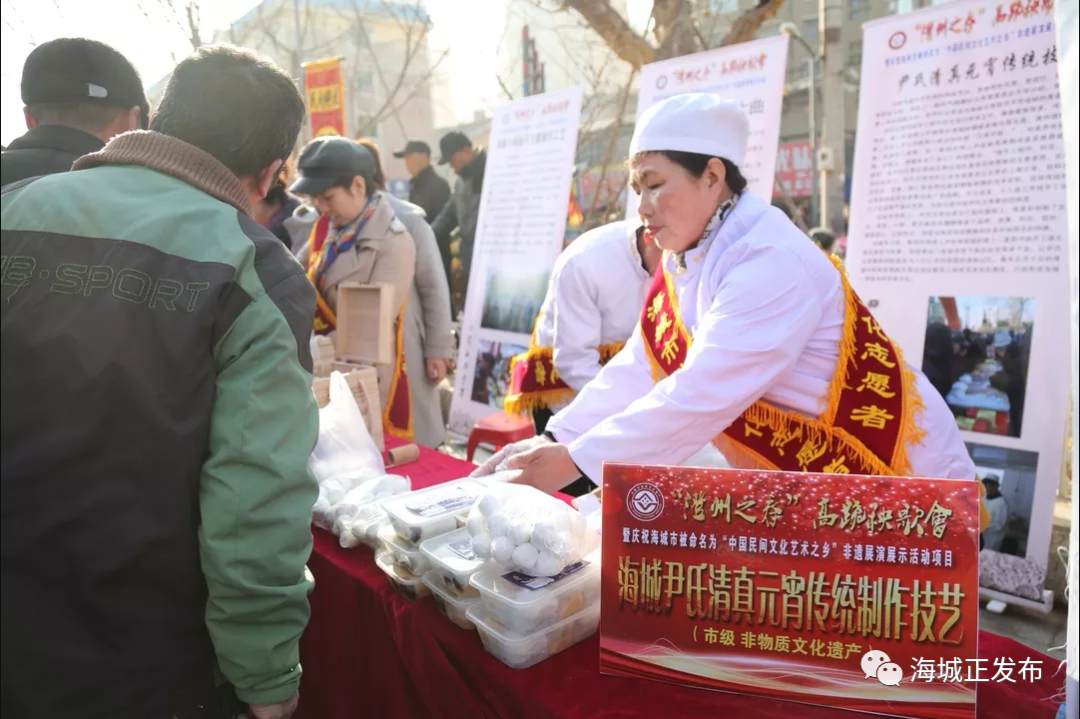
<point x="429" y="340"/>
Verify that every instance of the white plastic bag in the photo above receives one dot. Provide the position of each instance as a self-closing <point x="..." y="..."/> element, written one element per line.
<point x="361" y="501"/>
<point x="521" y="528"/>
<point x="346" y="453"/>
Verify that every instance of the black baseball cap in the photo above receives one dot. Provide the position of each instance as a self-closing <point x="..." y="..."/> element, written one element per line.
<point x="414" y="146"/>
<point x="451" y="143"/>
<point x="326" y="160"/>
<point x="69" y="70"/>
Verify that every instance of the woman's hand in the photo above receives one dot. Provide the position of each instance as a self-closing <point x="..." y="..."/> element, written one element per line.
<point x="499" y="459"/>
<point x="548" y="467"/>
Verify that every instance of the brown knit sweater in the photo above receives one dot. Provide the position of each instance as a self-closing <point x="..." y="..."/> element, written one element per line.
<point x="174" y="157"/>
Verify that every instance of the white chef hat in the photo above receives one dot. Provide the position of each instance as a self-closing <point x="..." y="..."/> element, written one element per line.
<point x="699" y="122"/>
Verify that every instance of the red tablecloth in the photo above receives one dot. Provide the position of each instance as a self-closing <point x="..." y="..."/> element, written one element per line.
<point x="368" y="652"/>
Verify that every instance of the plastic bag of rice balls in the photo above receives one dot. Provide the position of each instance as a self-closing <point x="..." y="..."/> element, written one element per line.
<point x="523" y="529"/>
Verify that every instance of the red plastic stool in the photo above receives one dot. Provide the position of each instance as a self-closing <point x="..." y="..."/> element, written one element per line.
<point x="500" y="430"/>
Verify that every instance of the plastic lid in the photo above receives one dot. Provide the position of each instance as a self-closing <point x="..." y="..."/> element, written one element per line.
<point x="398" y="574"/>
<point x="452" y="551"/>
<point x="480" y="616"/>
<point x="491" y="581"/>
<point x="428" y="506"/>
<point x="433" y="580"/>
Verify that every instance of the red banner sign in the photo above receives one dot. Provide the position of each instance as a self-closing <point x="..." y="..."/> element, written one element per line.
<point x="795" y="169"/>
<point x="325" y="86"/>
<point x="836" y="590"/>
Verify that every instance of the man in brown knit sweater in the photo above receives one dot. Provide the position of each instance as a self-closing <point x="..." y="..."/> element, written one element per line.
<point x="158" y="416"/>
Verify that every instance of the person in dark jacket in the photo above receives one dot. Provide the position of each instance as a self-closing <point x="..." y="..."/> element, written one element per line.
<point x="463" y="211"/>
<point x="278" y="206"/>
<point x="78" y="94"/>
<point x="427" y="190"/>
<point x="158" y="416"/>
<point x="937" y="362"/>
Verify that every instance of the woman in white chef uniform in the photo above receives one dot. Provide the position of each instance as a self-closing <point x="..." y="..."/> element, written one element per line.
<point x="758" y="336"/>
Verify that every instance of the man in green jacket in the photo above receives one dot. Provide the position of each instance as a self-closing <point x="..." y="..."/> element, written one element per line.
<point x="158" y="416"/>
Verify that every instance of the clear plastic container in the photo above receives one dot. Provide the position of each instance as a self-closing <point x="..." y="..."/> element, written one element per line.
<point x="542" y="601"/>
<point x="427" y="513"/>
<point x="455" y="608"/>
<point x="521" y="651"/>
<point x="405" y="555"/>
<point x="403" y="581"/>
<point x="451" y="557"/>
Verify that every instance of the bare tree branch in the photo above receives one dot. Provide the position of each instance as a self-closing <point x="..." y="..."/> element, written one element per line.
<point x="189" y="21"/>
<point x="746" y="27"/>
<point x="615" y="31"/>
<point x="601" y="182"/>
<point x="417" y="87"/>
<point x="194" y="19"/>
<point x="413" y="46"/>
<point x="509" y="95"/>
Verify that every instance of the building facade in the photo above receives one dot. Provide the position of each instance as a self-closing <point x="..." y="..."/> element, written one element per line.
<point x="385" y="58"/>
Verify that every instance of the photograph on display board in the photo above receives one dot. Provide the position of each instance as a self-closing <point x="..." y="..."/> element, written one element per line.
<point x="512" y="300"/>
<point x="491" y="376"/>
<point x="1009" y="477"/>
<point x="976" y="355"/>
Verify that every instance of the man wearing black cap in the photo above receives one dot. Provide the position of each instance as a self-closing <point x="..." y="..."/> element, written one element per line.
<point x="78" y="94"/>
<point x="463" y="210"/>
<point x="427" y="190"/>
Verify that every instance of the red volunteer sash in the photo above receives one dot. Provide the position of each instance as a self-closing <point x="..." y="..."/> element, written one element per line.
<point x="535" y="382"/>
<point x="871" y="410"/>
<point x="397" y="414"/>
<point x="325" y="319"/>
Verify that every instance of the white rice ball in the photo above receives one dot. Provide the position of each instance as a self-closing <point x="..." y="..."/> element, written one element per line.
<point x="498" y="524"/>
<point x="520" y="532"/>
<point x="475" y="525"/>
<point x="481" y="544"/>
<point x="543" y="535"/>
<point x="563" y="544"/>
<point x="502" y="550"/>
<point x="489" y="505"/>
<point x="348" y="540"/>
<point x="525" y="556"/>
<point x="547" y="565"/>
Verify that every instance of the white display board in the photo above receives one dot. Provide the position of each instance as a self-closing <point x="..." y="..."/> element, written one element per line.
<point x="752" y="74"/>
<point x="959" y="230"/>
<point x="523" y="210"/>
<point x="1069" y="74"/>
